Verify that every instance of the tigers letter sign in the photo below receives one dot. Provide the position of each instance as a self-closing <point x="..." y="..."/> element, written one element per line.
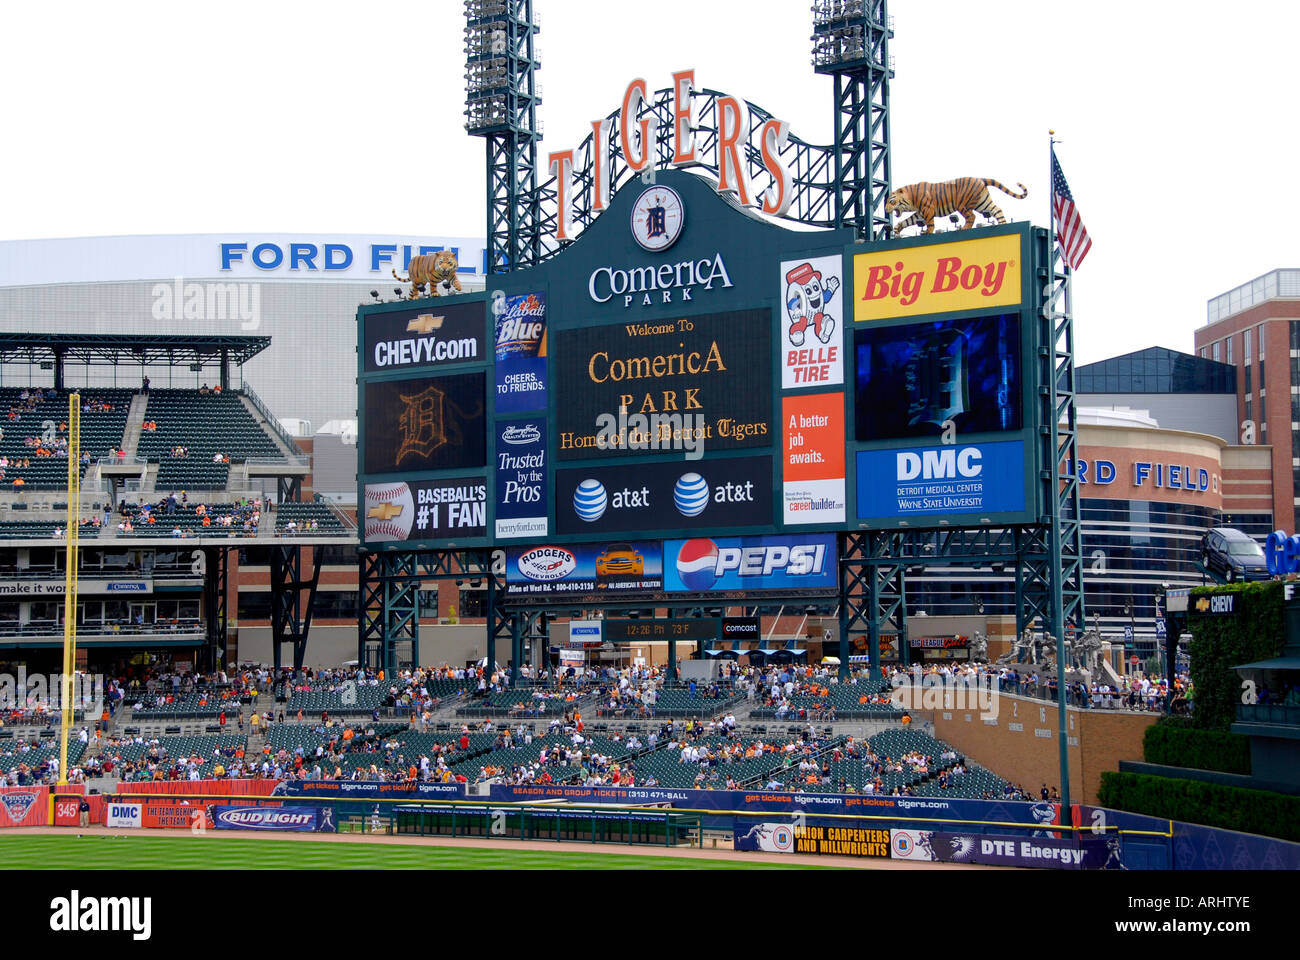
<point x="937" y="278"/>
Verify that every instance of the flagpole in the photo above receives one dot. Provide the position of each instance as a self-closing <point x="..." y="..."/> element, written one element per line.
<point x="1057" y="599"/>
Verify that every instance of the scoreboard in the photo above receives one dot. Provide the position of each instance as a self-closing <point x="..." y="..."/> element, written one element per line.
<point x="706" y="379"/>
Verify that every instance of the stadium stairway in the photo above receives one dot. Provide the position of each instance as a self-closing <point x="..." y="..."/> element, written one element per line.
<point x="267" y="427"/>
<point x="134" y="424"/>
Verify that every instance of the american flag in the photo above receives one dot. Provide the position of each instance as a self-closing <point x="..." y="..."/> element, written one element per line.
<point x="1070" y="231"/>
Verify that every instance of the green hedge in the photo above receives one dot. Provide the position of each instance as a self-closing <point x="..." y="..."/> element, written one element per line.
<point x="1209" y="804"/>
<point x="1219" y="643"/>
<point x="1177" y="746"/>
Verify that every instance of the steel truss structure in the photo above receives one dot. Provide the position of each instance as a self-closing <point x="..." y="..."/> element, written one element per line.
<point x="843" y="184"/>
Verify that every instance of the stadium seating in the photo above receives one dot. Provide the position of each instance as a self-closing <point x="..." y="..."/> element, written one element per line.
<point x="303" y="514"/>
<point x="174" y="748"/>
<point x="11" y="755"/>
<point x="205" y="425"/>
<point x="15" y="529"/>
<point x="191" y="705"/>
<point x="189" y="522"/>
<point x="101" y="432"/>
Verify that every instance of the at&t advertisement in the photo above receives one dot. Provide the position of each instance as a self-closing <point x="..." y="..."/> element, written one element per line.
<point x="521" y="353"/>
<point x="652" y="496"/>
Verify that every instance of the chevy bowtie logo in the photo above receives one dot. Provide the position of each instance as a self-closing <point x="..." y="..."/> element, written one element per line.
<point x="425" y="323"/>
<point x="1202" y="604"/>
<point x="384" y="511"/>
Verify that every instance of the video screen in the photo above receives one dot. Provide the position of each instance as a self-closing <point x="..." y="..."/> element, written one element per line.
<point x="914" y="379"/>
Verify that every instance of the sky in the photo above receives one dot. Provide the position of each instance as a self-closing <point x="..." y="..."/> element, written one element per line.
<point x="1174" y="120"/>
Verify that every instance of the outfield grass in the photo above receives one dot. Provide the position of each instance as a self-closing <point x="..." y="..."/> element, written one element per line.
<point x="98" y="852"/>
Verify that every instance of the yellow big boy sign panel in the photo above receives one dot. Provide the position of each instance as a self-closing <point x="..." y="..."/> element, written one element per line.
<point x="937" y="278"/>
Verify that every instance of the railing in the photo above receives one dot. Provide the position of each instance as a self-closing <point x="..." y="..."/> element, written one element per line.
<point x="1115" y="700"/>
<point x="1280" y="714"/>
<point x="50" y="628"/>
<point x="123" y="461"/>
<point x="297" y="462"/>
<point x="272" y="422"/>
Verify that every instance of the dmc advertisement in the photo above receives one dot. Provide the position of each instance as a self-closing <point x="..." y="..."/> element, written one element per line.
<point x="433" y="423"/>
<point x="522" y="490"/>
<point x="419" y="510"/>
<point x="813" y="444"/>
<point x="937" y="278"/>
<point x="693" y="384"/>
<point x="813" y="306"/>
<point x="1087" y="853"/>
<point x="521" y="353"/>
<point x="633" y="566"/>
<point x="750" y="563"/>
<point x="652" y="496"/>
<point x="426" y="337"/>
<point x="937" y="379"/>
<point x="984" y="479"/>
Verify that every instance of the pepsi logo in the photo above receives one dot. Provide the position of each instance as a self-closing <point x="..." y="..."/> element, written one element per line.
<point x="697" y="564"/>
<point x="547" y="563"/>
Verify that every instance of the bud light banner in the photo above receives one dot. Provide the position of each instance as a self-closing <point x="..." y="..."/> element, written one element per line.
<point x="521" y="353"/>
<point x="708" y="494"/>
<point x="522" y="489"/>
<point x="750" y="563"/>
<point x="292" y="819"/>
<point x="982" y="479"/>
<point x="630" y="566"/>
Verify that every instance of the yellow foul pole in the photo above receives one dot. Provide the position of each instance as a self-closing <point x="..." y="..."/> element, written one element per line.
<point x="71" y="564"/>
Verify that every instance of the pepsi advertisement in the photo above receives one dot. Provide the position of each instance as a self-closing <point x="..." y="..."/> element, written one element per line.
<point x="983" y="479"/>
<point x="750" y="563"/>
<point x="651" y="496"/>
<point x="916" y="379"/>
<point x="521" y="353"/>
<point x="625" y="567"/>
<point x="522" y="489"/>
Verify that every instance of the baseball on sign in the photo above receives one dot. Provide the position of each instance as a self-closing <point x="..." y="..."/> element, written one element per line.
<point x="390" y="511"/>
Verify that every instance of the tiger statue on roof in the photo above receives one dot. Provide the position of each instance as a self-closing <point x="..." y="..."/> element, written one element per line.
<point x="964" y="196"/>
<point x="432" y="270"/>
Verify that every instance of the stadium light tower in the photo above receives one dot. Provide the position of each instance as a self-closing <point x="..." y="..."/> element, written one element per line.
<point x="501" y="98"/>
<point x="851" y="44"/>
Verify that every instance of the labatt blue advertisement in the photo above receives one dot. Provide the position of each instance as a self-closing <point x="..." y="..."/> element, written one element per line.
<point x="521" y="353"/>
<point x="982" y="479"/>
<point x="626" y="566"/>
<point x="750" y="563"/>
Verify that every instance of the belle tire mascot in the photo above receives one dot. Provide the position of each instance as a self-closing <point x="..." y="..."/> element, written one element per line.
<point x="805" y="300"/>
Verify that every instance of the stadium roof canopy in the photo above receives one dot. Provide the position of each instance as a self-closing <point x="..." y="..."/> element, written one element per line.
<point x="113" y="349"/>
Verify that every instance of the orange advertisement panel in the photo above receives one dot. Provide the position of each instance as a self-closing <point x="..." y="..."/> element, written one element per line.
<point x="937" y="278"/>
<point x="813" y="452"/>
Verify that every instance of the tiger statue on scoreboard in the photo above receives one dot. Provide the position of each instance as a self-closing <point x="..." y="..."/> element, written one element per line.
<point x="432" y="270"/>
<point x="964" y="196"/>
